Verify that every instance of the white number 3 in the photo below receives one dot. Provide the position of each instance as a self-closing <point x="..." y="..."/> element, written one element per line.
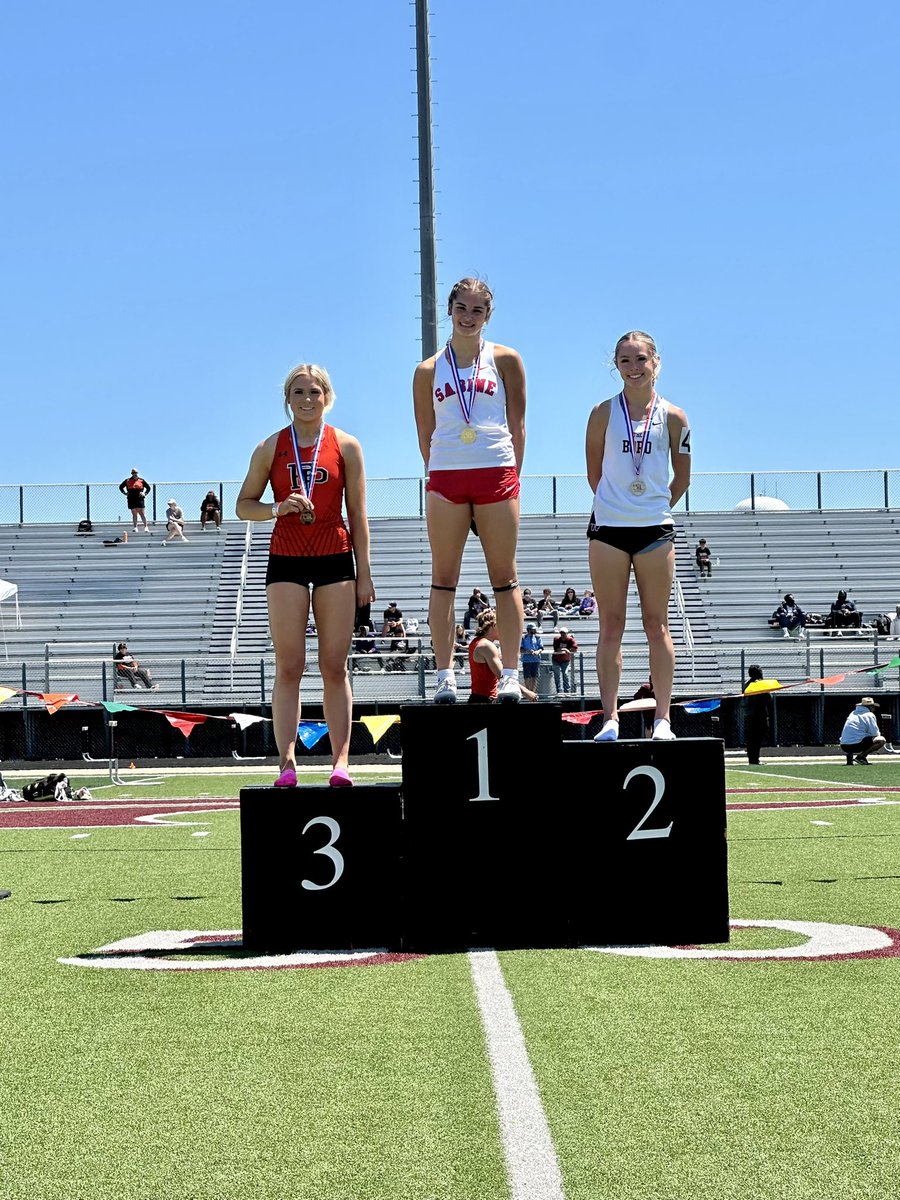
<point x="329" y="851"/>
<point x="659" y="786"/>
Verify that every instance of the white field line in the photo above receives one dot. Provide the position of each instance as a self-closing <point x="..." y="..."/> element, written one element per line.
<point x="531" y="1162"/>
<point x="825" y="784"/>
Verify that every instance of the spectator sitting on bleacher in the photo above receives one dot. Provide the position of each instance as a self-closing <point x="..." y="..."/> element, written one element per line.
<point x="789" y="615"/>
<point x="843" y="614"/>
<point x="477" y="604"/>
<point x="529" y="604"/>
<point x="588" y="605"/>
<point x="174" y="523"/>
<point x="569" y="603"/>
<point x="393" y="621"/>
<point x="546" y="607"/>
<point x="895" y="624"/>
<point x="703" y="556"/>
<point x="128" y="667"/>
<point x="210" y="510"/>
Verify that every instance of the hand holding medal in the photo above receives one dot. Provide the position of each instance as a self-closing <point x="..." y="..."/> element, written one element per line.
<point x="306" y="483"/>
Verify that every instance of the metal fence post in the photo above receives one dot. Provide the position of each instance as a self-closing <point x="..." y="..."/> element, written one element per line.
<point x="421" y="497"/>
<point x="752" y="492"/>
<point x="421" y="673"/>
<point x="886" y="492"/>
<point x="262" y="681"/>
<point x="774" y="718"/>
<point x="819" y="490"/>
<point x="87" y="500"/>
<point x="554" y="495"/>
<point x="183" y="683"/>
<point x="21" y="504"/>
<point x="687" y="501"/>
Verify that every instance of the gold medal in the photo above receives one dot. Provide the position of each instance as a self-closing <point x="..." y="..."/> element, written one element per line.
<point x="307" y="516"/>
<point x="468" y="435"/>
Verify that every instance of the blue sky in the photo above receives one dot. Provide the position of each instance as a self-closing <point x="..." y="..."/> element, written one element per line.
<point x="198" y="195"/>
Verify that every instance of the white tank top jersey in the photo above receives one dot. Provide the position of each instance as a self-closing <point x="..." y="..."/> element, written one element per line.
<point x="614" y="502"/>
<point x="493" y="445"/>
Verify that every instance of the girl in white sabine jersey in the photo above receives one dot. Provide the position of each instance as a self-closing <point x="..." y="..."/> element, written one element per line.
<point x="631" y="440"/>
<point x="469" y="402"/>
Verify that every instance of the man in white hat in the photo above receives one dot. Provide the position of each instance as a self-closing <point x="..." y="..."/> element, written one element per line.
<point x="861" y="735"/>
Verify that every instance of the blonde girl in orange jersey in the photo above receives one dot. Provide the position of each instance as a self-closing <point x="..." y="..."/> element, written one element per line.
<point x="315" y="558"/>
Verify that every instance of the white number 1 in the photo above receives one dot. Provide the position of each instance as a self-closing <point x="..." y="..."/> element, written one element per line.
<point x="659" y="786"/>
<point x="480" y="739"/>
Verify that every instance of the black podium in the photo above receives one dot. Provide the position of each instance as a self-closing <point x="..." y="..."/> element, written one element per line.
<point x="502" y="835"/>
<point x="320" y="868"/>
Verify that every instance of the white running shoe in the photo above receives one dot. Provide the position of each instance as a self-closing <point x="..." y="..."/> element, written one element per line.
<point x="508" y="690"/>
<point x="662" y="732"/>
<point x="609" y="732"/>
<point x="786" y="634"/>
<point x="445" y="692"/>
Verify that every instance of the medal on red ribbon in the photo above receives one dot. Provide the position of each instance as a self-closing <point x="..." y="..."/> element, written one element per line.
<point x="466" y="403"/>
<point x="638" y="486"/>
<point x="307" y="516"/>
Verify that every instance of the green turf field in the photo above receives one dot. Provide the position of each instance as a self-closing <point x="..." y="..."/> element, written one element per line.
<point x="660" y="1078"/>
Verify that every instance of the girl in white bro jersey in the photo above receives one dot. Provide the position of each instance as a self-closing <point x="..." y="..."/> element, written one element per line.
<point x="631" y="440"/>
<point x="469" y="402"/>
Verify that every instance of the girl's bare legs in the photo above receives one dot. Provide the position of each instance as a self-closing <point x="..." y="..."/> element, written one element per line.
<point x="653" y="573"/>
<point x="610" y="572"/>
<point x="498" y="529"/>
<point x="448" y="528"/>
<point x="334" y="607"/>
<point x="288" y="614"/>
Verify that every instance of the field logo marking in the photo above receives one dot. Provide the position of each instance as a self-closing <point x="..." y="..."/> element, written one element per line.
<point x="148" y="951"/>
<point x="531" y="1162"/>
<point x="827" y="942"/>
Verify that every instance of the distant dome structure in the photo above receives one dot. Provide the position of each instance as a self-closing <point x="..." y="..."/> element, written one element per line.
<point x="762" y="504"/>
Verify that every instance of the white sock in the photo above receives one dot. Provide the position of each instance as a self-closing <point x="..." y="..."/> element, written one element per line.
<point x="511" y="671"/>
<point x="449" y="673"/>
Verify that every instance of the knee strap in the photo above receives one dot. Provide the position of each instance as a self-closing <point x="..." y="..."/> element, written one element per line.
<point x="438" y="587"/>
<point x="510" y="587"/>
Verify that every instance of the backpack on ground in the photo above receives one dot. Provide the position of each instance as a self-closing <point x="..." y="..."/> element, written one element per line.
<point x="85" y="526"/>
<point x="52" y="787"/>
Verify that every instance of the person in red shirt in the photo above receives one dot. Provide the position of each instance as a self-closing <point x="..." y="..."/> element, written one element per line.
<point x="485" y="663"/>
<point x="315" y="559"/>
<point x="135" y="489"/>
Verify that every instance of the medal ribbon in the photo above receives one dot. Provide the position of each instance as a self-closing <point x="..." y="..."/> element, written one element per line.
<point x="465" y="404"/>
<point x="304" y="490"/>
<point x="637" y="459"/>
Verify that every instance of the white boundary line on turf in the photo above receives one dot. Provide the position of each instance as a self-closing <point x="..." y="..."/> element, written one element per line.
<point x="839" y="786"/>
<point x="531" y="1162"/>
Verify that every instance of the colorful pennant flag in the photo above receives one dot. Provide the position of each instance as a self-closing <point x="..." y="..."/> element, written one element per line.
<point x="378" y="726"/>
<point x="245" y="720"/>
<point x="830" y="679"/>
<point x="582" y="718"/>
<point x="762" y="685"/>
<point x="5" y="693"/>
<point x="310" y="732"/>
<point x="186" y="722"/>
<point x="113" y="706"/>
<point x="56" y="700"/>
<point x="638" y="705"/>
<point x="701" y="706"/>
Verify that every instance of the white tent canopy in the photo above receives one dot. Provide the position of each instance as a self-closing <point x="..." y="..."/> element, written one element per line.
<point x="9" y="591"/>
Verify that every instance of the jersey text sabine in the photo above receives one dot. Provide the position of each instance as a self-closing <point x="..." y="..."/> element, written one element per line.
<point x="488" y="386"/>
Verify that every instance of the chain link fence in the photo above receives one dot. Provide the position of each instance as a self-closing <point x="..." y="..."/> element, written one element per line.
<point x="55" y="503"/>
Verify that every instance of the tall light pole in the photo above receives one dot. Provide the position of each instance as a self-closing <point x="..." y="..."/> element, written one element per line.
<point x="427" y="255"/>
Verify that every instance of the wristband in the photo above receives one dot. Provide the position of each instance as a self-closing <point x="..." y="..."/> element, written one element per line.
<point x="275" y="511"/>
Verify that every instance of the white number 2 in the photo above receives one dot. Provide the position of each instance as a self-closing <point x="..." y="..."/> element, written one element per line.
<point x="659" y="786"/>
<point x="329" y="851"/>
<point x="484" y="789"/>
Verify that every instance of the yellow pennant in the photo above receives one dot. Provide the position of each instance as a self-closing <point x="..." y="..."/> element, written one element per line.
<point x="378" y="726"/>
<point x="5" y="693"/>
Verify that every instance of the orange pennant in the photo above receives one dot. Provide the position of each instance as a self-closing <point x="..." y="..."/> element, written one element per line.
<point x="56" y="700"/>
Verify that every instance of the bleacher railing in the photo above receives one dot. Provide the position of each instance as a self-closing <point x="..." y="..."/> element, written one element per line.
<point x="562" y="495"/>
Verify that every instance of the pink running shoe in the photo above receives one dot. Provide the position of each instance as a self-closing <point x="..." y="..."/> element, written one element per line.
<point x="287" y="778"/>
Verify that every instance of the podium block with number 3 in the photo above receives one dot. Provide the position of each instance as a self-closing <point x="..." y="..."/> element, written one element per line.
<point x="320" y="868"/>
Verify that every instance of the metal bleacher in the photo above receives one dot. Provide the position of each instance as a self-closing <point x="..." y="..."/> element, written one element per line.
<point x="195" y="614"/>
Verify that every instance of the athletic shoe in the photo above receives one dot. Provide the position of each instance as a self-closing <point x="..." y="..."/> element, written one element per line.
<point x="508" y="690"/>
<point x="340" y="778"/>
<point x="786" y="633"/>
<point x="154" y="687"/>
<point x="609" y="732"/>
<point x="803" y="634"/>
<point x="862" y="760"/>
<point x="445" y="692"/>
<point x="287" y="778"/>
<point x="662" y="731"/>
